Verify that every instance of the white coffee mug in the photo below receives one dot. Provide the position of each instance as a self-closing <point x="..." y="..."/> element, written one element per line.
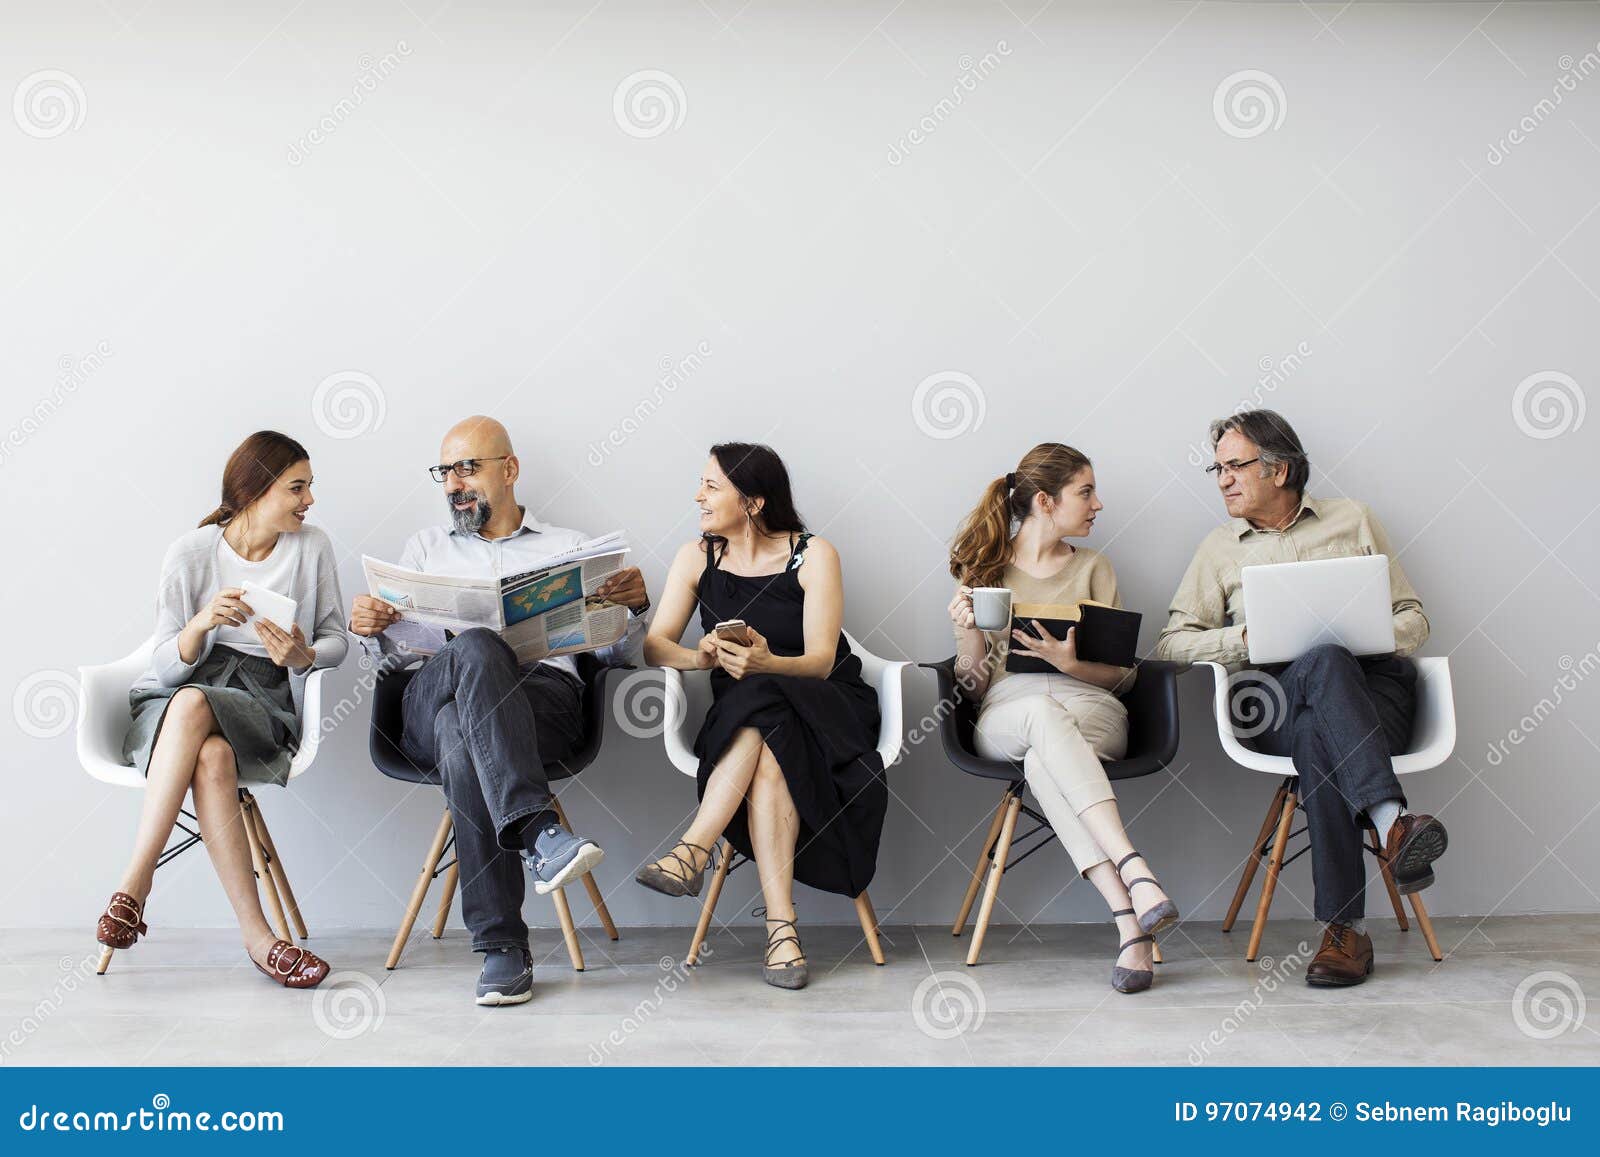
<point x="991" y="608"/>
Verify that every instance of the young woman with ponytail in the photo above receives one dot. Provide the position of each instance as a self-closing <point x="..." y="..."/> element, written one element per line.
<point x="1061" y="725"/>
<point x="217" y="708"/>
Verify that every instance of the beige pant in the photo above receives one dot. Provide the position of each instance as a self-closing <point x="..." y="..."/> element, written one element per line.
<point x="1060" y="728"/>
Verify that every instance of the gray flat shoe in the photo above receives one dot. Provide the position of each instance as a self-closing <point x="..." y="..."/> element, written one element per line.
<point x="791" y="974"/>
<point x="680" y="877"/>
<point x="1131" y="979"/>
<point x="1153" y="919"/>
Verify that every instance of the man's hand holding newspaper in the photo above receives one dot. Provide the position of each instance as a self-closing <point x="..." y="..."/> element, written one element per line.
<point x="555" y="610"/>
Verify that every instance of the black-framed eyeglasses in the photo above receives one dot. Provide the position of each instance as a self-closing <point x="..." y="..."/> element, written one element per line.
<point x="1230" y="467"/>
<point x="465" y="468"/>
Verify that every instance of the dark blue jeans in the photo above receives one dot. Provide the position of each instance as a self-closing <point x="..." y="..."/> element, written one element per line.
<point x="488" y="728"/>
<point x="1345" y="717"/>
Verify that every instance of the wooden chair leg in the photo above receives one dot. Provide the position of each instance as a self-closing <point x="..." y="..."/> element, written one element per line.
<point x="997" y="869"/>
<point x="569" y="931"/>
<point x="1426" y="925"/>
<point x="1248" y="874"/>
<point x="876" y="927"/>
<point x="595" y="898"/>
<point x="1388" y="882"/>
<point x="724" y="858"/>
<point x="1280" y="842"/>
<point x="258" y="859"/>
<point x="451" y="876"/>
<point x="977" y="869"/>
<point x="280" y="878"/>
<point x="419" y="893"/>
<point x="869" y="927"/>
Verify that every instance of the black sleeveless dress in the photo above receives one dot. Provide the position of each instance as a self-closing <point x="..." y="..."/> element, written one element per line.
<point x="823" y="732"/>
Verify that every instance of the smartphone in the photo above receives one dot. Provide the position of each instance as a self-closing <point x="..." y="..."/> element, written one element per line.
<point x="734" y="631"/>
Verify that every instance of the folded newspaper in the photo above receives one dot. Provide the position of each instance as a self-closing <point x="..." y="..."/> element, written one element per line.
<point x="550" y="611"/>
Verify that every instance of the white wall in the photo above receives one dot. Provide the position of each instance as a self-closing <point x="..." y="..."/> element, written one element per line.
<point x="1079" y="235"/>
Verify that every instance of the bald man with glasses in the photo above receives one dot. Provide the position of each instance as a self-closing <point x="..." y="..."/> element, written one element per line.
<point x="487" y="724"/>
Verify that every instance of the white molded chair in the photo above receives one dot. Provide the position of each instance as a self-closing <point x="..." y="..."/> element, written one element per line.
<point x="103" y="722"/>
<point x="1433" y="739"/>
<point x="688" y="697"/>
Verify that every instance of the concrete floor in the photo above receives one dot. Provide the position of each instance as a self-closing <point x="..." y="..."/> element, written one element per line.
<point x="1040" y="997"/>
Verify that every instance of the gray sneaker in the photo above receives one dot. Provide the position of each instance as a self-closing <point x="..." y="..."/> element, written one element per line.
<point x="559" y="857"/>
<point x="507" y="976"/>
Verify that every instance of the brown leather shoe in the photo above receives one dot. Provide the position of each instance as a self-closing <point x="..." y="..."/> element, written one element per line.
<point x="1345" y="958"/>
<point x="1414" y="842"/>
<point x="122" y="923"/>
<point x="292" y="966"/>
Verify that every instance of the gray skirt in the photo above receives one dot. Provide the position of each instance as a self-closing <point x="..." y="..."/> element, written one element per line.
<point x="254" y="704"/>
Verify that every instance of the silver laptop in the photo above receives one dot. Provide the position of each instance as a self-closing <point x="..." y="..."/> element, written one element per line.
<point x="1291" y="607"/>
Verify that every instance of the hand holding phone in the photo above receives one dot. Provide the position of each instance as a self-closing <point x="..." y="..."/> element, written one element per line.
<point x="733" y="631"/>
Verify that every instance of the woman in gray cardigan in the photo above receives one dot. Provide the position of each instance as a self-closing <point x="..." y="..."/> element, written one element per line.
<point x="217" y="707"/>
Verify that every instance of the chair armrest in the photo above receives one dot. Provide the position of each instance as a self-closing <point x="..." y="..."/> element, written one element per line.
<point x="310" y="722"/>
<point x="103" y="712"/>
<point x="1152" y="704"/>
<point x="891" y="711"/>
<point x="677" y="728"/>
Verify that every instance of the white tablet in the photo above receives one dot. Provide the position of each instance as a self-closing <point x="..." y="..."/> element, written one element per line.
<point x="270" y="605"/>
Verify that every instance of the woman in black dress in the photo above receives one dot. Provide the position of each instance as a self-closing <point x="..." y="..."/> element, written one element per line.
<point x="789" y="768"/>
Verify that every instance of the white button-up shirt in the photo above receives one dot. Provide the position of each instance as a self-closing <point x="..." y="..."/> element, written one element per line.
<point x="444" y="550"/>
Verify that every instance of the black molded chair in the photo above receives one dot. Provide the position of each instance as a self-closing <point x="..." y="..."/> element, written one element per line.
<point x="384" y="745"/>
<point x="1152" y="705"/>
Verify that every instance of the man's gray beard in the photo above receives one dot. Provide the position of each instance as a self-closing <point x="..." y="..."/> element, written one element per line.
<point x="472" y="520"/>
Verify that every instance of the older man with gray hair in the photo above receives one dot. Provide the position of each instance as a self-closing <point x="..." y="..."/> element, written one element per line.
<point x="1345" y="717"/>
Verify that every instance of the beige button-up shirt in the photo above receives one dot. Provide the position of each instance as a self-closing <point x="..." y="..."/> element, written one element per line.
<point x="1206" y="618"/>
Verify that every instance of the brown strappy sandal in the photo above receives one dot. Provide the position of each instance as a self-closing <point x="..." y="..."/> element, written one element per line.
<point x="122" y="923"/>
<point x="293" y="966"/>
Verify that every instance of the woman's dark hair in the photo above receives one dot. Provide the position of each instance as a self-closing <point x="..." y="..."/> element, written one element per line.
<point x="260" y="461"/>
<point x="982" y="546"/>
<point x="756" y="471"/>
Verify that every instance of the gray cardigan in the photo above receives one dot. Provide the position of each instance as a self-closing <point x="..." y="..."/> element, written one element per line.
<point x="189" y="580"/>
